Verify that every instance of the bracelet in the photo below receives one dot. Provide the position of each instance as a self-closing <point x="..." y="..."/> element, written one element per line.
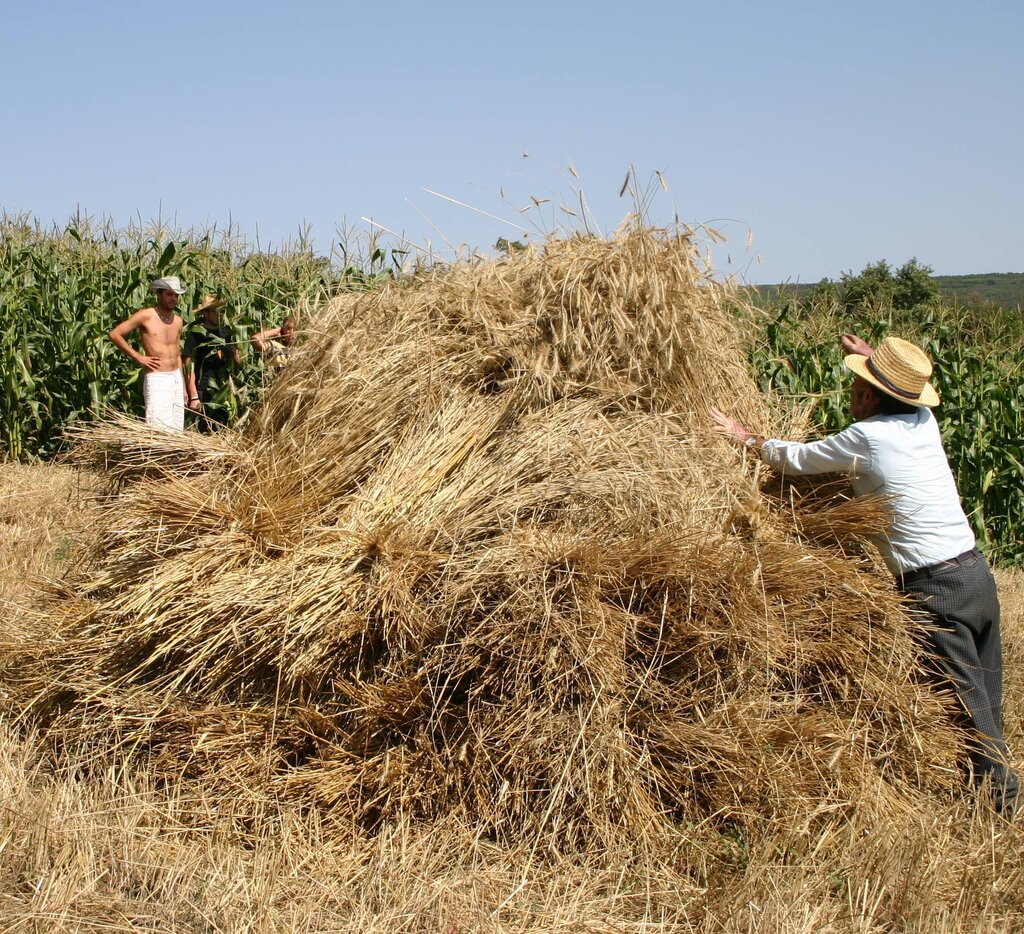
<point x="194" y="399"/>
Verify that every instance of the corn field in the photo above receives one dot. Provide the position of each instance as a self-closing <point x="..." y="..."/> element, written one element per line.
<point x="979" y="374"/>
<point x="62" y="290"/>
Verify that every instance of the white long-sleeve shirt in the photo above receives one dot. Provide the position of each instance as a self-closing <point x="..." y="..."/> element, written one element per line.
<point x="901" y="458"/>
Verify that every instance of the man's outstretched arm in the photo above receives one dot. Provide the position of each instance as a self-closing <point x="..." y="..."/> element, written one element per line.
<point x="261" y="340"/>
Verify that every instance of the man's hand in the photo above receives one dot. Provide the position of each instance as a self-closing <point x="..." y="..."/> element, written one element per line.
<point x="149" y="363"/>
<point x="725" y="425"/>
<point x="851" y="343"/>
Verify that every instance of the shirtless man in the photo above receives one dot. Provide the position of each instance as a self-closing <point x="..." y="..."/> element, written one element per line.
<point x="160" y="329"/>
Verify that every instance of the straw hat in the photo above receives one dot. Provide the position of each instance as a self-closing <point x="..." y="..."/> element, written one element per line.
<point x="900" y="369"/>
<point x="210" y="302"/>
<point x="172" y="283"/>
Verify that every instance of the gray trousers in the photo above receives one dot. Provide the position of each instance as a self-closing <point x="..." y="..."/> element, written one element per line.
<point x="958" y="608"/>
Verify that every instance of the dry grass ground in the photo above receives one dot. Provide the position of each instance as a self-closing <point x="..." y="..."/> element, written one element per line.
<point x="112" y="852"/>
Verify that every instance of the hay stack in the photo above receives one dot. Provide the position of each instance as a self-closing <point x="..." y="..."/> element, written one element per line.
<point x="478" y="555"/>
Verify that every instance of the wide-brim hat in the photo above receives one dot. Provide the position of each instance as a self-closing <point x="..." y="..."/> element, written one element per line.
<point x="172" y="283"/>
<point x="210" y="303"/>
<point x="899" y="369"/>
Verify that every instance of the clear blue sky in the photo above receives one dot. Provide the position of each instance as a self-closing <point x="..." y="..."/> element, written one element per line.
<point x="838" y="133"/>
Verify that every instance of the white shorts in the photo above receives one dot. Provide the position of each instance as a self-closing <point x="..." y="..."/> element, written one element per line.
<point x="165" y="400"/>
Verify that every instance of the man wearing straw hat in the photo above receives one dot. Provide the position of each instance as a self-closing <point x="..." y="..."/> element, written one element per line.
<point x="894" y="450"/>
<point x="159" y="328"/>
<point x="209" y="354"/>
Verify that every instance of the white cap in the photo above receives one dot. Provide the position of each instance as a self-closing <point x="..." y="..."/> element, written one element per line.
<point x="167" y="282"/>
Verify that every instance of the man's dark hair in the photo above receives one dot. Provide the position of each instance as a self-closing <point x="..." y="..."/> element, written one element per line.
<point x="890" y="405"/>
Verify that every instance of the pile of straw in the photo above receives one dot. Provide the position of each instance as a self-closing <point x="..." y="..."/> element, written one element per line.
<point x="478" y="556"/>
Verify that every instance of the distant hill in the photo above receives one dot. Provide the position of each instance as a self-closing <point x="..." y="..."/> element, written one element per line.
<point x="999" y="288"/>
<point x="1005" y="289"/>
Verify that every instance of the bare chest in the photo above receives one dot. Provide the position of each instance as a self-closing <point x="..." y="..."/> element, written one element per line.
<point x="161" y="331"/>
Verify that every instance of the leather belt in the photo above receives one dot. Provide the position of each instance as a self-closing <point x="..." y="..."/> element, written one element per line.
<point x="918" y="574"/>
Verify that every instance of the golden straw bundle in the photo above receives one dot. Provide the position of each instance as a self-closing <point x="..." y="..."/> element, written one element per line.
<point x="478" y="555"/>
